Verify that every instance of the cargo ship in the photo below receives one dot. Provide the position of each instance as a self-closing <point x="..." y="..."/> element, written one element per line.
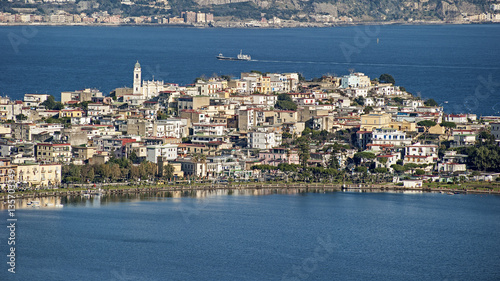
<point x="239" y="57"/>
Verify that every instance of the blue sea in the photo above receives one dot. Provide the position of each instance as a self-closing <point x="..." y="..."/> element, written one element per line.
<point x="217" y="236"/>
<point x="259" y="235"/>
<point x="457" y="65"/>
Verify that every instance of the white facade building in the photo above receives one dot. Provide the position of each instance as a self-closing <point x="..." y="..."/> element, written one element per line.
<point x="355" y="80"/>
<point x="264" y="140"/>
<point x="390" y="136"/>
<point x="209" y="129"/>
<point x="421" y="154"/>
<point x="146" y="90"/>
<point x="168" y="151"/>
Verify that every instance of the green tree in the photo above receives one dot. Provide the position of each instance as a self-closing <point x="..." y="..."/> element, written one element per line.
<point x="286" y="135"/>
<point x="21" y="117"/>
<point x="264" y="167"/>
<point x="398" y="100"/>
<point x="450" y="125"/>
<point x="51" y="104"/>
<point x="387" y="78"/>
<point x="368" y="109"/>
<point x="381" y="170"/>
<point x="410" y="166"/>
<point x="360" y="100"/>
<point x="419" y="172"/>
<point x="431" y="102"/>
<point x="304" y="153"/>
<point x="333" y="162"/>
<point x="115" y="172"/>
<point x="133" y="157"/>
<point x="361" y="157"/>
<point x="398" y="168"/>
<point x="427" y="124"/>
<point x="361" y="169"/>
<point x="285" y="102"/>
<point x="168" y="171"/>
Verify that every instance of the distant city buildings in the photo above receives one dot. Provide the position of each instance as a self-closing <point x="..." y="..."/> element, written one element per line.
<point x="103" y="17"/>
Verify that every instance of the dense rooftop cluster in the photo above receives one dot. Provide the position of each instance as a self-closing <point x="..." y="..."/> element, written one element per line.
<point x="259" y="126"/>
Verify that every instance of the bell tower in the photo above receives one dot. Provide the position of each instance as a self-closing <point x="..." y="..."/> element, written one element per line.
<point x="137" y="79"/>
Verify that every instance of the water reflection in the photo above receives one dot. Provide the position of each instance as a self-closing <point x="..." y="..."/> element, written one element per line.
<point x="98" y="200"/>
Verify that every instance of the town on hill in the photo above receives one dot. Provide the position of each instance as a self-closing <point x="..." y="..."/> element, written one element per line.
<point x="256" y="127"/>
<point x="246" y="13"/>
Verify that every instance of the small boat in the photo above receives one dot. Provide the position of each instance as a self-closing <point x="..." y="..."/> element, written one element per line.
<point x="59" y="205"/>
<point x="239" y="57"/>
<point x="49" y="205"/>
<point x="450" y="193"/>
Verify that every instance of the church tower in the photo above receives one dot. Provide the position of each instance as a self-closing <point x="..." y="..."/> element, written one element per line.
<point x="137" y="79"/>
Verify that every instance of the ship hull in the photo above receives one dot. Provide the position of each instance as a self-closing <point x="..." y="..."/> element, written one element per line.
<point x="228" y="58"/>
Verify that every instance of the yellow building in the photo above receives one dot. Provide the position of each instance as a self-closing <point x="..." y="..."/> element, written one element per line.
<point x="375" y="121"/>
<point x="437" y="130"/>
<point x="404" y="126"/>
<point x="7" y="173"/>
<point x="39" y="175"/>
<point x="264" y="84"/>
<point x="70" y="113"/>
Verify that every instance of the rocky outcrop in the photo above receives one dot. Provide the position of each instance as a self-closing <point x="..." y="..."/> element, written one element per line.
<point x="325" y="8"/>
<point x="447" y="10"/>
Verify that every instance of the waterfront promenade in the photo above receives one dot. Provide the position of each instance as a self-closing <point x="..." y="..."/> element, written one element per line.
<point x="83" y="190"/>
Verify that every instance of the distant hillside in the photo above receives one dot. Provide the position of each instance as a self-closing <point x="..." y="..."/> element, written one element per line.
<point x="299" y="10"/>
<point x="364" y="10"/>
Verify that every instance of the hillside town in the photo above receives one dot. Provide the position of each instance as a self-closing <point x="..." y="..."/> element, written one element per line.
<point x="257" y="127"/>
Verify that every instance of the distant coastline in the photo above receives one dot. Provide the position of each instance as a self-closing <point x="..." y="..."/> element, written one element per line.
<point x="245" y="25"/>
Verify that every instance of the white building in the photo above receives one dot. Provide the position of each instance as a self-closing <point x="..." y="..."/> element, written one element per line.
<point x="146" y="90"/>
<point x="98" y="109"/>
<point x="209" y="129"/>
<point x="355" y="80"/>
<point x="421" y="154"/>
<point x="33" y="100"/>
<point x="413" y="103"/>
<point x="456" y="118"/>
<point x="390" y="136"/>
<point x="173" y="128"/>
<point x="391" y="159"/>
<point x="209" y="88"/>
<point x="264" y="140"/>
<point x="168" y="151"/>
<point x="357" y="92"/>
<point x="383" y="90"/>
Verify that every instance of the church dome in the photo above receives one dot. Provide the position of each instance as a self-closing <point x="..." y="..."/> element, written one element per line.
<point x="137" y="65"/>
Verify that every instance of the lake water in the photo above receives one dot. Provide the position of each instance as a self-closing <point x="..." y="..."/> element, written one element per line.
<point x="260" y="235"/>
<point x="458" y="64"/>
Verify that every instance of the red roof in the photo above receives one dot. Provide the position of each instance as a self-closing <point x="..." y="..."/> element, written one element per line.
<point x="385" y="156"/>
